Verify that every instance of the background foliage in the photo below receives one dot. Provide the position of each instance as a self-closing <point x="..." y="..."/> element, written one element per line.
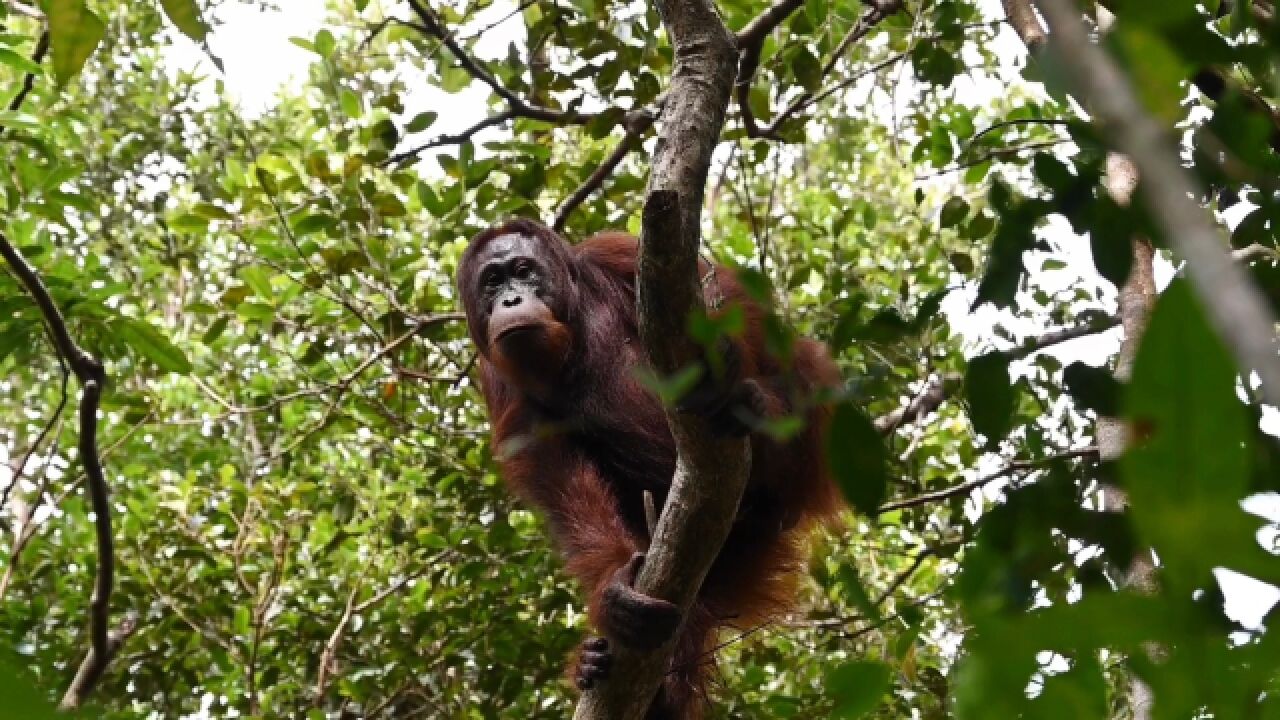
<point x="307" y="516"/>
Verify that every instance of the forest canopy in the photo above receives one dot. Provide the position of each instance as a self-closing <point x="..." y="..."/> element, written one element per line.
<point x="246" y="468"/>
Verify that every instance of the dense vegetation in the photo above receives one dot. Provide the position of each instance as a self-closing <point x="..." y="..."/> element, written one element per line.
<point x="306" y="515"/>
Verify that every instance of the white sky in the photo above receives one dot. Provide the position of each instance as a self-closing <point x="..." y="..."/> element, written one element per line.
<point x="259" y="59"/>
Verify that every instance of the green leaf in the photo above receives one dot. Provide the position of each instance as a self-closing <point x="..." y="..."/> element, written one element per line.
<point x="954" y="212"/>
<point x="858" y="458"/>
<point x="454" y="79"/>
<point x="185" y="15"/>
<point x="848" y="578"/>
<point x="857" y="688"/>
<point x="990" y="394"/>
<point x="961" y="262"/>
<point x="670" y="389"/>
<point x="1154" y="12"/>
<point x="189" y="223"/>
<point x="211" y="211"/>
<point x="1111" y="240"/>
<point x="74" y="33"/>
<point x="256" y="311"/>
<point x="152" y="345"/>
<point x="421" y="121"/>
<point x="21" y="63"/>
<point x="16" y="335"/>
<point x="1189" y="465"/>
<point x="259" y="280"/>
<point x="807" y="69"/>
<point x="313" y="223"/>
<point x="350" y="103"/>
<point x="1050" y="171"/>
<point x="215" y="330"/>
<point x="1157" y="72"/>
<point x="22" y="698"/>
<point x="325" y="43"/>
<point x="1093" y="388"/>
<point x="1005" y="269"/>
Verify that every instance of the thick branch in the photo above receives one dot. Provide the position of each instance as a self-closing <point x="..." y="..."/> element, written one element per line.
<point x="1256" y="251"/>
<point x="1049" y="339"/>
<point x="1026" y="24"/>
<point x="710" y="470"/>
<point x="1229" y="297"/>
<point x="926" y="401"/>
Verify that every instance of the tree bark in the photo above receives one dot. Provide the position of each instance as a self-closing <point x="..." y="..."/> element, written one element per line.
<point x="710" y="470"/>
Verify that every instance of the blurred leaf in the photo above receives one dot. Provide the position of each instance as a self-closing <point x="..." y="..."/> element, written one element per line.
<point x="74" y="33"/>
<point x="152" y="344"/>
<point x="954" y="212"/>
<point x="185" y="15"/>
<point x="990" y="393"/>
<point x="858" y="458"/>
<point x="857" y="688"/>
<point x="1189" y="466"/>
<point x="807" y="69"/>
<point x="1093" y="388"/>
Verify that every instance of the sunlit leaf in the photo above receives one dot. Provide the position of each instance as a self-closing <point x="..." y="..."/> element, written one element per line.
<point x="74" y="33"/>
<point x="185" y="15"/>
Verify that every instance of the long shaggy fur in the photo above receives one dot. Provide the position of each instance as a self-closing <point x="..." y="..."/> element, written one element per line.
<point x="587" y="454"/>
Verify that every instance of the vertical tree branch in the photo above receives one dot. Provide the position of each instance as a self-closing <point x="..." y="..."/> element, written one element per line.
<point x="89" y="371"/>
<point x="710" y="470"/>
<point x="1137" y="296"/>
<point x="1232" y="302"/>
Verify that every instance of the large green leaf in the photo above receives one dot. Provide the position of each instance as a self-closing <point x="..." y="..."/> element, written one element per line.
<point x="153" y="345"/>
<point x="1189" y="465"/>
<point x="858" y="458"/>
<point x="74" y="33"/>
<point x="857" y="688"/>
<point x="990" y="393"/>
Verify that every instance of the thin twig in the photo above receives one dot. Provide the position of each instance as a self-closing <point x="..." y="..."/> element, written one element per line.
<point x="935" y="393"/>
<point x="44" y="433"/>
<point x="29" y="80"/>
<point x="430" y="25"/>
<point x="1256" y="251"/>
<point x="989" y="156"/>
<point x="344" y="384"/>
<point x="969" y="486"/>
<point x="1010" y="123"/>
<point x="906" y="574"/>
<point x="456" y="139"/>
<point x="873" y="17"/>
<point x="635" y="129"/>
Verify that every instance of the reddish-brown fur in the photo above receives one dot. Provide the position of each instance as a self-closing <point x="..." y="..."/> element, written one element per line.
<point x="587" y="456"/>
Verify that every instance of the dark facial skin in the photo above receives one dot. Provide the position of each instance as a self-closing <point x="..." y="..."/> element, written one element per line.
<point x="519" y="292"/>
<point x="514" y="285"/>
